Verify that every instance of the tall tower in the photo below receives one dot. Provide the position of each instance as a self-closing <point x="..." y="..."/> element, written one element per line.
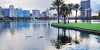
<point x="0" y="12"/>
<point x="11" y="11"/>
<point x="86" y="8"/>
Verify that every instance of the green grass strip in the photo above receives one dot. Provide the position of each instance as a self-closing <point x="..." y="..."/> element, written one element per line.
<point x="81" y="25"/>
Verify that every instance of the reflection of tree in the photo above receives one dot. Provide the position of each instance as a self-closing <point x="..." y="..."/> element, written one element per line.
<point x="76" y="40"/>
<point x="84" y="35"/>
<point x="62" y="39"/>
<point x="98" y="39"/>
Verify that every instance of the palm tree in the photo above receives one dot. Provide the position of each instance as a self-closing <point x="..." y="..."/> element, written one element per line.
<point x="64" y="10"/>
<point x="76" y="7"/>
<point x="70" y="6"/>
<point x="57" y="4"/>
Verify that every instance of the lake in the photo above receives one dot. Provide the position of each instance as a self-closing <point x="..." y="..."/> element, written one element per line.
<point x="40" y="35"/>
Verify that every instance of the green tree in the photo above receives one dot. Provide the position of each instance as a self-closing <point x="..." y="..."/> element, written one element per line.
<point x="71" y="7"/>
<point x="76" y="7"/>
<point x="56" y="4"/>
<point x="64" y="10"/>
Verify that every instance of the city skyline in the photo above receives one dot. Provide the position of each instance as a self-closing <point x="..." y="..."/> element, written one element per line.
<point x="42" y="5"/>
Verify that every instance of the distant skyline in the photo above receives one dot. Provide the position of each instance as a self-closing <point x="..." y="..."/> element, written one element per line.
<point x="42" y="5"/>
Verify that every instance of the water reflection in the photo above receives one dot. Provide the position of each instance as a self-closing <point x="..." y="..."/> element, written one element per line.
<point x="84" y="35"/>
<point x="76" y="40"/>
<point x="62" y="39"/>
<point x="73" y="39"/>
<point x="42" y="36"/>
<point x="12" y="26"/>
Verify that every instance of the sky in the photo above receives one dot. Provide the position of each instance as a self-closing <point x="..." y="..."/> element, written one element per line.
<point x="42" y="5"/>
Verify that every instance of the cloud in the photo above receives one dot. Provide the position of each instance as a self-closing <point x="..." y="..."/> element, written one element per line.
<point x="72" y="1"/>
<point x="42" y="4"/>
<point x="27" y="4"/>
<point x="33" y="4"/>
<point x="5" y="3"/>
<point x="95" y="6"/>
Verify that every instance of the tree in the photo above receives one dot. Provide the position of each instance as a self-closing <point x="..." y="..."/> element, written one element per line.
<point x="70" y="6"/>
<point x="57" y="4"/>
<point x="76" y="7"/>
<point x="64" y="10"/>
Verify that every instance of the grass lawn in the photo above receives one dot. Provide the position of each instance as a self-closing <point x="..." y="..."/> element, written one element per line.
<point x="81" y="25"/>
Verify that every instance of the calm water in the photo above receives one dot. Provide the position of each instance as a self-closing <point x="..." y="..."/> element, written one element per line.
<point x="39" y="35"/>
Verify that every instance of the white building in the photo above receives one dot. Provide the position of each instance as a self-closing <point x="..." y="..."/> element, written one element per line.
<point x="11" y="11"/>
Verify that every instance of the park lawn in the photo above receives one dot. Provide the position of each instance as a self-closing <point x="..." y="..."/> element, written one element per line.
<point x="81" y="25"/>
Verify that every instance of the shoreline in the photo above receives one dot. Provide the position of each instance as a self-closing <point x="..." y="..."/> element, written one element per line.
<point x="91" y="31"/>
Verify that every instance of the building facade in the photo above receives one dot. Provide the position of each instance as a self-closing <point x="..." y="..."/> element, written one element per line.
<point x="19" y="12"/>
<point x="35" y="13"/>
<point x="0" y="12"/>
<point x="85" y="9"/>
<point x="15" y="13"/>
<point x="5" y="12"/>
<point x="86" y="6"/>
<point x="11" y="11"/>
<point x="26" y="13"/>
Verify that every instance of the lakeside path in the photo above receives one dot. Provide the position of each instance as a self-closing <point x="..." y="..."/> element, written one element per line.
<point x="87" y="27"/>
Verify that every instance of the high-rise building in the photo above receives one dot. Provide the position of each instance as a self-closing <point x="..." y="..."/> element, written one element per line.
<point x="0" y="12"/>
<point x="45" y="13"/>
<point x="19" y="12"/>
<point x="26" y="13"/>
<point x="35" y="13"/>
<point x="11" y="10"/>
<point x="15" y="13"/>
<point x="5" y="12"/>
<point x="85" y="8"/>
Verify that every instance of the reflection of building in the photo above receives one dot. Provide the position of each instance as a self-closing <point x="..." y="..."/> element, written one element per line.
<point x="5" y="12"/>
<point x="35" y="13"/>
<point x="11" y="11"/>
<point x="12" y="27"/>
<point x="86" y="8"/>
<point x="19" y="12"/>
<point x="26" y="13"/>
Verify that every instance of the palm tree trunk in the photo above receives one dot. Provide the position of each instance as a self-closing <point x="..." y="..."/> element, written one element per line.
<point x="58" y="13"/>
<point x="64" y="19"/>
<point x="76" y="17"/>
<point x="68" y="19"/>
